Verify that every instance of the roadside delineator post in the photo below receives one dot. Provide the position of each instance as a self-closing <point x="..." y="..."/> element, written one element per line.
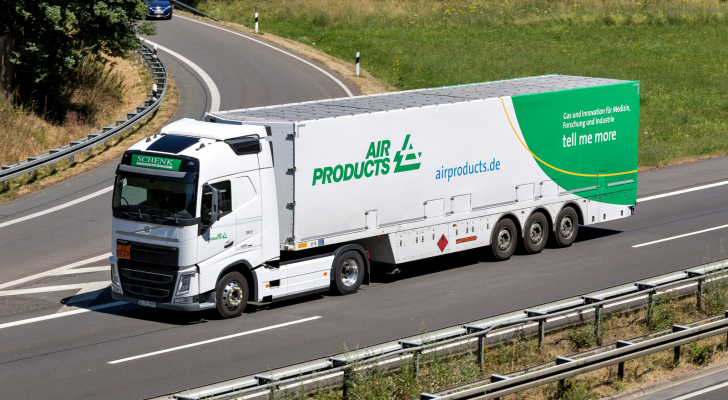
<point x="256" y="22"/>
<point x="155" y="50"/>
<point x="357" y="63"/>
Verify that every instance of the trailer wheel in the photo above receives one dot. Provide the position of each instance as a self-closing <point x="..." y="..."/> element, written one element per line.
<point x="349" y="270"/>
<point x="536" y="233"/>
<point x="567" y="227"/>
<point x="232" y="295"/>
<point x="505" y="237"/>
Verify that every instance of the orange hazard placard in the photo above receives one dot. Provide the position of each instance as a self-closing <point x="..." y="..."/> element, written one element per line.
<point x="123" y="251"/>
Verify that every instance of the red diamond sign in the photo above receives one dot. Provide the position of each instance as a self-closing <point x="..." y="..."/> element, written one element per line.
<point x="442" y="243"/>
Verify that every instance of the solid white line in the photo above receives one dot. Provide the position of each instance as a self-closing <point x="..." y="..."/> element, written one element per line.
<point x="659" y="196"/>
<point x="73" y="286"/>
<point x="346" y="89"/>
<point x="66" y="314"/>
<point x="701" y="391"/>
<point x="213" y="340"/>
<point x="214" y="93"/>
<point x="56" y="271"/>
<point x="62" y="206"/>
<point x="681" y="236"/>
<point x="86" y="270"/>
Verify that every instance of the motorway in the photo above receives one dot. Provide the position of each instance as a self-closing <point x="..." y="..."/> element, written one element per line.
<point x="65" y="338"/>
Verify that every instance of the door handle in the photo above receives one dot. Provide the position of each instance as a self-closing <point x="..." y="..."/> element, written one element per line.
<point x="229" y="243"/>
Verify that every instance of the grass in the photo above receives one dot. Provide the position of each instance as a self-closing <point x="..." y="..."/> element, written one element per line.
<point x="459" y="366"/>
<point x="97" y="95"/>
<point x="674" y="47"/>
<point x="84" y="162"/>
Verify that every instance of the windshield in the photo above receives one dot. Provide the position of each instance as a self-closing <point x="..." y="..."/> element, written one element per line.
<point x="155" y="197"/>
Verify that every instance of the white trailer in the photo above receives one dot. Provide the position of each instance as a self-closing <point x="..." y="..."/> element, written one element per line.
<point x="263" y="204"/>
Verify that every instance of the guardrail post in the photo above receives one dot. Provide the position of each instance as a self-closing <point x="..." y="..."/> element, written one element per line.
<point x="345" y="379"/>
<point x="597" y="316"/>
<point x="481" y="341"/>
<point x="726" y="335"/>
<point x="699" y="292"/>
<point x="562" y="383"/>
<point x="541" y="324"/>
<point x="677" y="328"/>
<point x="497" y="378"/>
<point x="650" y="297"/>
<point x="620" y="367"/>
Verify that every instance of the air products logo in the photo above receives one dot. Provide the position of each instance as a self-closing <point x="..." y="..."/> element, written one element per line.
<point x="375" y="163"/>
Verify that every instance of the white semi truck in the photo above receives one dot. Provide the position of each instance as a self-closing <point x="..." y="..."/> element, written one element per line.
<point x="264" y="204"/>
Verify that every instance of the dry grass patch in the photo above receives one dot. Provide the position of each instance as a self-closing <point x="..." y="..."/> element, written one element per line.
<point x="101" y="155"/>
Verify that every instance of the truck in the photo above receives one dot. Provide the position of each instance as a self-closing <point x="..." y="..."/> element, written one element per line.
<point x="265" y="204"/>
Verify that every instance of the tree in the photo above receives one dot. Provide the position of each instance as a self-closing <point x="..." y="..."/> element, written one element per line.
<point x="51" y="37"/>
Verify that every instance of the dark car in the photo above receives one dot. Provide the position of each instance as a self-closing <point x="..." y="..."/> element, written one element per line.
<point x="159" y="9"/>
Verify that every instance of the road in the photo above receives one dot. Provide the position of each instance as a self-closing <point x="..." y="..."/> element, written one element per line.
<point x="61" y="341"/>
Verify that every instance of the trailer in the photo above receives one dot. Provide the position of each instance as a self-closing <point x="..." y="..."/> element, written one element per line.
<point x="298" y="198"/>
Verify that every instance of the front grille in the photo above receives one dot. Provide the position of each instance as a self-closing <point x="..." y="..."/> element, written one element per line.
<point x="165" y="255"/>
<point x="145" y="291"/>
<point x="147" y="276"/>
<point x="147" y="281"/>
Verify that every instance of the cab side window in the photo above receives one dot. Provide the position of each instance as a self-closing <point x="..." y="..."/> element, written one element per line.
<point x="227" y="197"/>
<point x="226" y="200"/>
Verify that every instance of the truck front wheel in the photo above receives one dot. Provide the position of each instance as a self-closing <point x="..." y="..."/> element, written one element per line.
<point x="505" y="237"/>
<point x="232" y="295"/>
<point x="349" y="269"/>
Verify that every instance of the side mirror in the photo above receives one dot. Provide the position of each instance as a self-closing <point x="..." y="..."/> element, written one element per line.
<point x="215" y="210"/>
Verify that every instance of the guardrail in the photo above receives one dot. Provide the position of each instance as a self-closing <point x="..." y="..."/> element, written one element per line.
<point x="341" y="366"/>
<point x="192" y="10"/>
<point x="144" y="55"/>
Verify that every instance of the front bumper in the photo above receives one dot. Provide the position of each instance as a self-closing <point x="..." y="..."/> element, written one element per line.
<point x="165" y="306"/>
<point x="165" y="15"/>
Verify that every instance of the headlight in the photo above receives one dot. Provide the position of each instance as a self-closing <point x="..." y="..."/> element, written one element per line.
<point x="168" y="7"/>
<point x="184" y="284"/>
<point x="114" y="276"/>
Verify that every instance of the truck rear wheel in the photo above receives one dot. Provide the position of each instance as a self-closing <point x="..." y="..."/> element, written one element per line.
<point x="232" y="295"/>
<point x="505" y="237"/>
<point x="567" y="227"/>
<point x="349" y="269"/>
<point x="536" y="233"/>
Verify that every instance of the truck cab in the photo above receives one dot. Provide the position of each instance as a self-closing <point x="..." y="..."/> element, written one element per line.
<point x="195" y="222"/>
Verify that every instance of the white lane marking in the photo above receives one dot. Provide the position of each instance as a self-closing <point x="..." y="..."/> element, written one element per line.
<point x="659" y="196"/>
<point x="73" y="286"/>
<point x="213" y="340"/>
<point x="57" y="271"/>
<point x="681" y="236"/>
<point x="214" y="93"/>
<point x="85" y="270"/>
<point x="701" y="391"/>
<point x="346" y="89"/>
<point x="56" y="208"/>
<point x="65" y="314"/>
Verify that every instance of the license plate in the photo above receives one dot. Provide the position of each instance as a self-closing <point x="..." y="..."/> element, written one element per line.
<point x="123" y="250"/>
<point x="159" y="12"/>
<point x="145" y="303"/>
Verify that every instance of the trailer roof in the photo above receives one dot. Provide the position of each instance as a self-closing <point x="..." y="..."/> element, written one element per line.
<point x="348" y="106"/>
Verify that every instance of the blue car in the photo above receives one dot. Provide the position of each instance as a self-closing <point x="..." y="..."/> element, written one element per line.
<point x="159" y="9"/>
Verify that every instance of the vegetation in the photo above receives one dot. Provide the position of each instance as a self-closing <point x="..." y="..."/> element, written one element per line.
<point x="53" y="42"/>
<point x="439" y="371"/>
<point x="674" y="47"/>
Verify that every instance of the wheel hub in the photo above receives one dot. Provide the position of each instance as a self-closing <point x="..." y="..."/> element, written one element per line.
<point x="232" y="296"/>
<point x="567" y="227"/>
<point x="504" y="239"/>
<point x="536" y="233"/>
<point x="349" y="272"/>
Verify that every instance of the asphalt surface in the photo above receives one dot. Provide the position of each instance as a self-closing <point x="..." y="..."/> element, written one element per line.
<point x="69" y="356"/>
<point x="713" y="387"/>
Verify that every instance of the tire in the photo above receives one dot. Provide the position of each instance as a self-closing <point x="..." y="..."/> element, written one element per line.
<point x="349" y="270"/>
<point x="536" y="233"/>
<point x="231" y="295"/>
<point x="504" y="240"/>
<point x="567" y="227"/>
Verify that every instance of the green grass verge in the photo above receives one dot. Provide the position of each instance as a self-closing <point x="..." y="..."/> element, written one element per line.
<point x="677" y="50"/>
